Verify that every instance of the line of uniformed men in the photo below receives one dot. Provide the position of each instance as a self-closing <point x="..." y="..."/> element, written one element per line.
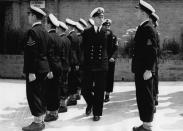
<point x="53" y="64"/>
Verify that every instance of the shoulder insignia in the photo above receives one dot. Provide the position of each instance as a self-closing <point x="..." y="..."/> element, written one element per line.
<point x="30" y="42"/>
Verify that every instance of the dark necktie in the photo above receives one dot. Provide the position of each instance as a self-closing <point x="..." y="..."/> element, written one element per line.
<point x="98" y="30"/>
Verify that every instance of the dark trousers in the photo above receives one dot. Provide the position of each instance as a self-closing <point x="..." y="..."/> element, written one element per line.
<point x="94" y="95"/>
<point x="35" y="91"/>
<point x="110" y="77"/>
<point x="52" y="93"/>
<point x="155" y="83"/>
<point x="64" y="86"/>
<point x="74" y="81"/>
<point x="144" y="95"/>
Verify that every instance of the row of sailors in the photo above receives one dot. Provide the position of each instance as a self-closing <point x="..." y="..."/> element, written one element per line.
<point x="53" y="65"/>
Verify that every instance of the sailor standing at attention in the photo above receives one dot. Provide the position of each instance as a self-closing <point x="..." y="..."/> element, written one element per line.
<point x="143" y="62"/>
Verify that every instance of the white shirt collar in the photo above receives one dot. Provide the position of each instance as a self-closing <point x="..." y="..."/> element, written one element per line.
<point x="96" y="27"/>
<point x="71" y="31"/>
<point x="36" y="23"/>
<point x="51" y="30"/>
<point x="62" y="34"/>
<point x="144" y="22"/>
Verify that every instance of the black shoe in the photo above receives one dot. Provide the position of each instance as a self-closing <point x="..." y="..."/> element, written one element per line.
<point x="34" y="127"/>
<point x="71" y="102"/>
<point x="106" y="98"/>
<point x="154" y="110"/>
<point x="62" y="109"/>
<point x="140" y="128"/>
<point x="156" y="100"/>
<point x="96" y="118"/>
<point x="88" y="110"/>
<point x="50" y="117"/>
<point x="78" y="97"/>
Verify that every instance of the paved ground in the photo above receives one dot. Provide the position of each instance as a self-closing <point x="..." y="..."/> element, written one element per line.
<point x="120" y="114"/>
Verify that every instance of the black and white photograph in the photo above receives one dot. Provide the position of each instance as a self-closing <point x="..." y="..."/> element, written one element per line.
<point x="91" y="65"/>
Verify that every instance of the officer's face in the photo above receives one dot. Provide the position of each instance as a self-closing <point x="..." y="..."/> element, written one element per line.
<point x="30" y="18"/>
<point x="106" y="26"/>
<point x="48" y="26"/>
<point x="139" y="14"/>
<point x="59" y="30"/>
<point x="99" y="20"/>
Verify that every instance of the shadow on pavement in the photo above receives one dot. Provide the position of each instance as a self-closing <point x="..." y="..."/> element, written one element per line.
<point x="121" y="106"/>
<point x="115" y="111"/>
<point x="16" y="117"/>
<point x="174" y="109"/>
<point x="174" y="101"/>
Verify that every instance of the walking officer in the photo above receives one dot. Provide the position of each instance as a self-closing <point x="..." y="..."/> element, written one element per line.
<point x="36" y="68"/>
<point x="143" y="61"/>
<point x="96" y="50"/>
<point x="112" y="58"/>
<point x="66" y="66"/>
<point x="55" y="57"/>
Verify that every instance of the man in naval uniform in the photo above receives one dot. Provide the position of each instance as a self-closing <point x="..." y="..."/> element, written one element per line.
<point x="95" y="64"/>
<point x="112" y="58"/>
<point x="66" y="66"/>
<point x="79" y="28"/>
<point x="143" y="61"/>
<point x="73" y="78"/>
<point x="55" y="58"/>
<point x="36" y="68"/>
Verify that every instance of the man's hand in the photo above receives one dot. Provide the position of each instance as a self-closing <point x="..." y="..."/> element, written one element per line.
<point x="111" y="60"/>
<point x="50" y="75"/>
<point x="77" y="67"/>
<point x="32" y="77"/>
<point x="147" y="74"/>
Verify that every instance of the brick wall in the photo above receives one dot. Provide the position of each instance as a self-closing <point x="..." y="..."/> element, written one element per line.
<point x="122" y="12"/>
<point x="11" y="66"/>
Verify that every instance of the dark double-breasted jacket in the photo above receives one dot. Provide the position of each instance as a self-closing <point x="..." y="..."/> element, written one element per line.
<point x="96" y="48"/>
